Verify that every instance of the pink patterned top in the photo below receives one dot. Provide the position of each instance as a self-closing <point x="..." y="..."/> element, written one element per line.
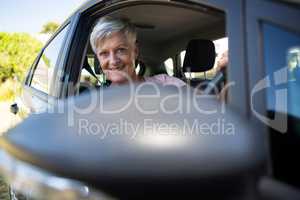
<point x="164" y="79"/>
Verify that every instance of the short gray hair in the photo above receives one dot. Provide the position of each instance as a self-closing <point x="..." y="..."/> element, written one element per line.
<point x="105" y="26"/>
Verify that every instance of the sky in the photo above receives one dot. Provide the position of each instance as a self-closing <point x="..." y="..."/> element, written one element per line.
<point x="30" y="15"/>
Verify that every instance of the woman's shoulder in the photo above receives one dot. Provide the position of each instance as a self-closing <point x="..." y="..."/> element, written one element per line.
<point x="164" y="79"/>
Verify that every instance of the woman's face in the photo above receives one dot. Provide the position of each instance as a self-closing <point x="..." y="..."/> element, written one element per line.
<point x="223" y="61"/>
<point x="117" y="58"/>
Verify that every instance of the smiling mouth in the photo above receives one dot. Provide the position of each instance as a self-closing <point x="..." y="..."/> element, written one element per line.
<point x="116" y="68"/>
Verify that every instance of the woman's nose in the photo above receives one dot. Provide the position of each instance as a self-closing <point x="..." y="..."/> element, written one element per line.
<point x="113" y="59"/>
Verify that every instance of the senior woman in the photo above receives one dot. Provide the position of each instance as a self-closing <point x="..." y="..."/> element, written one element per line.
<point x="114" y="42"/>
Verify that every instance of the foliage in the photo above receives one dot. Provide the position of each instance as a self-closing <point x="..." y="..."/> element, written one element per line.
<point x="9" y="89"/>
<point x="50" y="27"/>
<point x="17" y="53"/>
<point x="46" y="60"/>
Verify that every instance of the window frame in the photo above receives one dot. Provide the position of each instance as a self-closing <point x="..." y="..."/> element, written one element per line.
<point x="259" y="11"/>
<point x="57" y="65"/>
<point x="234" y="17"/>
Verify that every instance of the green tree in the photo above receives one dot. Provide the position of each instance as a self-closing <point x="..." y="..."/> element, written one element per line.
<point x="17" y="53"/>
<point x="50" y="27"/>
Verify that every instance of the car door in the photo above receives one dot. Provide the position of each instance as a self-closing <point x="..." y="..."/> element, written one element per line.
<point x="274" y="64"/>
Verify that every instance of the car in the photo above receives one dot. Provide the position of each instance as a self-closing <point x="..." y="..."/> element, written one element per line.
<point x="253" y="153"/>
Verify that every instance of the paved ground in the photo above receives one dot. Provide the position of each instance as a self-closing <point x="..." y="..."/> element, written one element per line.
<point x="7" y="120"/>
<point x="4" y="191"/>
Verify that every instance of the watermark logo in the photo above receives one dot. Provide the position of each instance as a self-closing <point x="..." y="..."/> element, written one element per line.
<point x="149" y="126"/>
<point x="183" y="101"/>
<point x="279" y="122"/>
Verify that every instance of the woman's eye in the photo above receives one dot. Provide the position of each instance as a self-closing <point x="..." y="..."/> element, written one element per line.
<point x="121" y="50"/>
<point x="103" y="54"/>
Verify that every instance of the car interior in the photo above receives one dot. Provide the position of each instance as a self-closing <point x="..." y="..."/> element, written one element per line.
<point x="161" y="40"/>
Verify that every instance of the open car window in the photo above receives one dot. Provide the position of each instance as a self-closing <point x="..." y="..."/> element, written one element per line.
<point x="158" y="41"/>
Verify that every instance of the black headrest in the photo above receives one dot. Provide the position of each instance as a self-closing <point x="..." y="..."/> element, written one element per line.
<point x="200" y="56"/>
